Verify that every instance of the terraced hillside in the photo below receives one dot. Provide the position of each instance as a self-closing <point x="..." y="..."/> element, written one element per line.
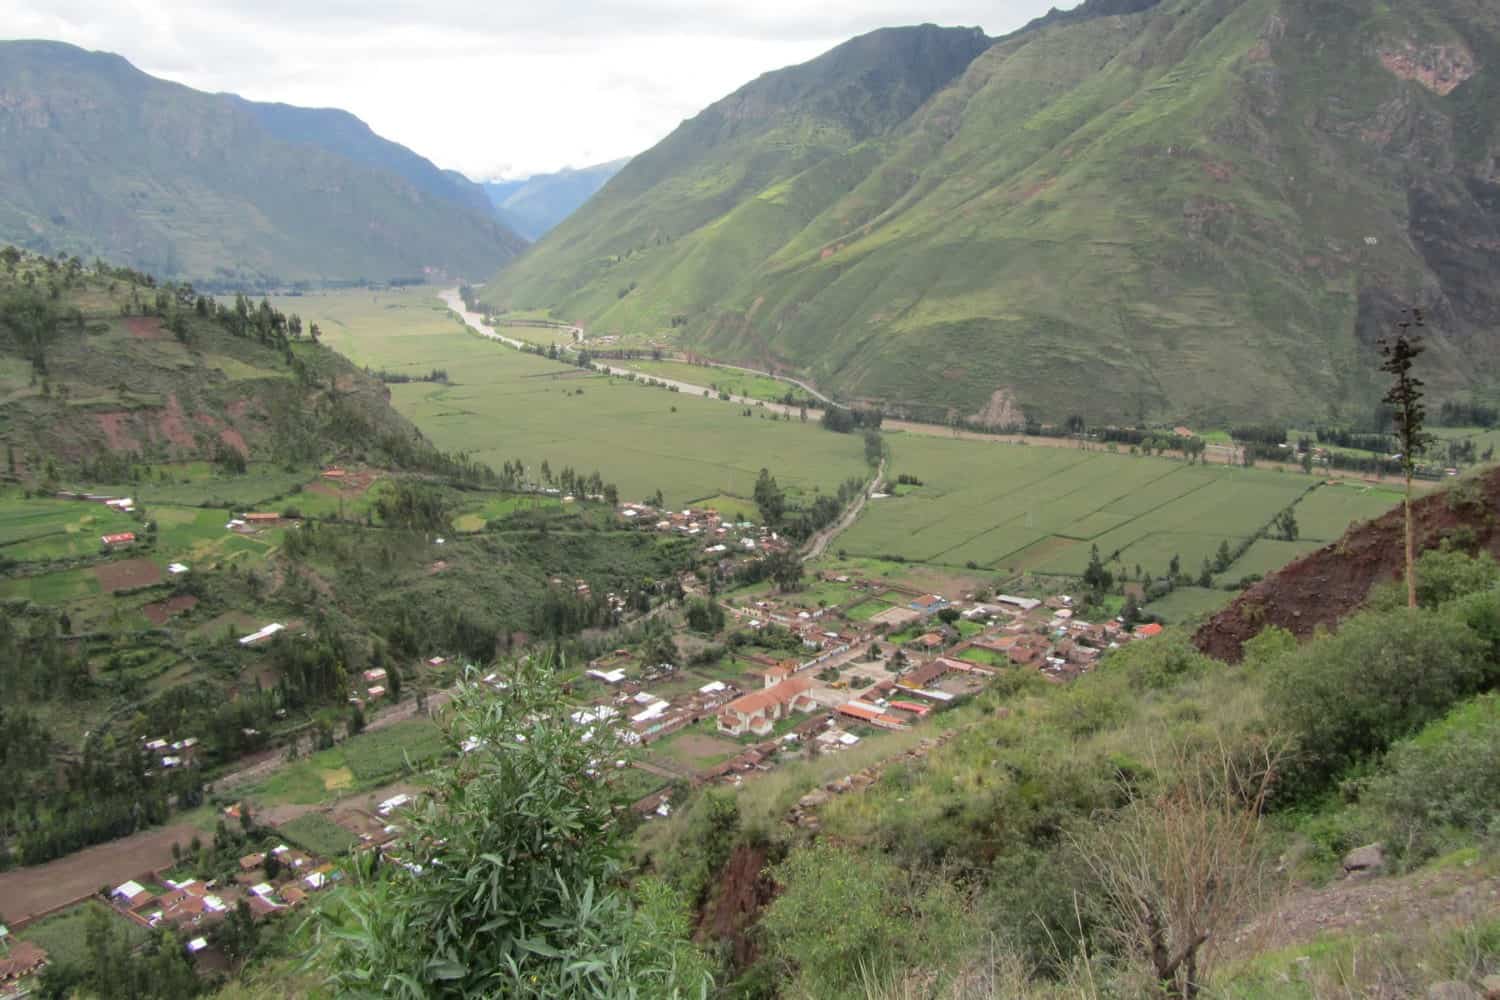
<point x="1208" y="209"/>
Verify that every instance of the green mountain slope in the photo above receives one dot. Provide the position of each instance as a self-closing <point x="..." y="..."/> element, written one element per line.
<point x="534" y="206"/>
<point x="1208" y="209"/>
<point x="99" y="159"/>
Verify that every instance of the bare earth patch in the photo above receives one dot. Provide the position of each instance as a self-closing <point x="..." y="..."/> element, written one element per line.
<point x="127" y="574"/>
<point x="161" y="611"/>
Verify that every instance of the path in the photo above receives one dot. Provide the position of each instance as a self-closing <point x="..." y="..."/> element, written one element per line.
<point x="818" y="544"/>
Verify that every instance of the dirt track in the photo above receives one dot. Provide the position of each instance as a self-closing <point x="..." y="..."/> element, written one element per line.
<point x="34" y="891"/>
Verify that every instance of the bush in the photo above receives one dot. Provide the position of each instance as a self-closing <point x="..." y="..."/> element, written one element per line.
<point x="1347" y="697"/>
<point x="1445" y="574"/>
<point x="1444" y="782"/>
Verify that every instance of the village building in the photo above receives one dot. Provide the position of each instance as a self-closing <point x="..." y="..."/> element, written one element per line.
<point x="758" y="712"/>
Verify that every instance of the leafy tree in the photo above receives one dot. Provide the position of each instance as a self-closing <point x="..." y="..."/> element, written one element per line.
<point x="1405" y="397"/>
<point x="511" y="887"/>
<point x="1096" y="577"/>
<point x="769" y="499"/>
<point x="874" y="447"/>
<point x="1223" y="559"/>
<point x="1206" y="574"/>
<point x="785" y="568"/>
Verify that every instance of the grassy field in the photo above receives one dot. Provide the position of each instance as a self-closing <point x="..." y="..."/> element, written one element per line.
<point x="56" y="529"/>
<point x="358" y="762"/>
<point x="1186" y="604"/>
<point x="505" y="405"/>
<point x="1328" y="511"/>
<point x="736" y="383"/>
<point x="1013" y="507"/>
<point x="63" y="935"/>
<point x="317" y="833"/>
<point x="1267" y="555"/>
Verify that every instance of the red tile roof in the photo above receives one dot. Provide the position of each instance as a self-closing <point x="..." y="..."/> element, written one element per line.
<point x="759" y="701"/>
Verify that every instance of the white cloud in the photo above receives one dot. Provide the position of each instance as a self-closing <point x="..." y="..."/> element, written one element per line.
<point x="508" y="87"/>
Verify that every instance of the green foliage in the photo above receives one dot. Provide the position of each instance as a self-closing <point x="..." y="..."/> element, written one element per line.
<point x="1446" y="574"/>
<point x="710" y="831"/>
<point x="116" y="967"/>
<point x="511" y="888"/>
<point x="1164" y="662"/>
<point x="844" y="917"/>
<point x="1348" y="696"/>
<point x="1442" y="783"/>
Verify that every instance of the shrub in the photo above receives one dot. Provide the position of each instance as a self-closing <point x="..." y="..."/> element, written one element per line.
<point x="1443" y="781"/>
<point x="1348" y="696"/>
<point x="1446" y="574"/>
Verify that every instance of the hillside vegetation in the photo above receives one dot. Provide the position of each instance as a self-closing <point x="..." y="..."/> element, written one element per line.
<point x="97" y="159"/>
<point x="1205" y="209"/>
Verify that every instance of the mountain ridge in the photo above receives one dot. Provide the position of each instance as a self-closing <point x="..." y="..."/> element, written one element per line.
<point x="99" y="159"/>
<point x="534" y="205"/>
<point x="1206" y="210"/>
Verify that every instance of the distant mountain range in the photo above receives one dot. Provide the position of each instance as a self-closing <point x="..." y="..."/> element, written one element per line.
<point x="534" y="205"/>
<point x="1202" y="210"/>
<point x="100" y="159"/>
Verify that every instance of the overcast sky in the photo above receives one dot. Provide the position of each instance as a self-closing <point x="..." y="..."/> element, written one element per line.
<point x="489" y="87"/>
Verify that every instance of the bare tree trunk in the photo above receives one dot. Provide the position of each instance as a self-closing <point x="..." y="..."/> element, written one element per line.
<point x="1411" y="572"/>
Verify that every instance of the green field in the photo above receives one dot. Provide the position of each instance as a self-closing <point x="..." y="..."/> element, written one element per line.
<point x="736" y="383"/>
<point x="56" y="529"/>
<point x="359" y="761"/>
<point x="63" y="935"/>
<point x="1267" y="555"/>
<point x="1328" y="511"/>
<point x="506" y="405"/>
<point x="1187" y="604"/>
<point x="1005" y="506"/>
<point x="317" y="833"/>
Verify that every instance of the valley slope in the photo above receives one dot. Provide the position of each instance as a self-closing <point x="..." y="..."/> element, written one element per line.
<point x="98" y="159"/>
<point x="1205" y="210"/>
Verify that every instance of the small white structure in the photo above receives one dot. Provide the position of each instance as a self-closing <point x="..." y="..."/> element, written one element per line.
<point x="196" y="945"/>
<point x="177" y="569"/>
<point x="608" y="676"/>
<point x="262" y="634"/>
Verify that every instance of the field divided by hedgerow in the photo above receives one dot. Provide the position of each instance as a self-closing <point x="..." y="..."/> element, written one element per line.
<point x="1041" y="509"/>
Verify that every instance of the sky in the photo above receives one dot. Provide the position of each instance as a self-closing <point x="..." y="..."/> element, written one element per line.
<point x="492" y="88"/>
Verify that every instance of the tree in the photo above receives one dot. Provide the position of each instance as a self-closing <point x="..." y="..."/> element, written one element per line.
<point x="1096" y="577"/>
<point x="1405" y="397"/>
<point x="769" y="499"/>
<point x="785" y="569"/>
<point x="874" y="447"/>
<point x="1223" y="558"/>
<point x="1206" y="574"/>
<point x="512" y="887"/>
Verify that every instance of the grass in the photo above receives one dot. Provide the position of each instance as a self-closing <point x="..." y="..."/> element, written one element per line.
<point x="318" y="834"/>
<point x="985" y="656"/>
<point x="1267" y="555"/>
<point x="1187" y="604"/>
<point x="359" y="762"/>
<point x="1326" y="513"/>
<point x="736" y="383"/>
<point x="55" y="529"/>
<point x="505" y="405"/>
<point x="63" y="937"/>
<point x="1015" y="508"/>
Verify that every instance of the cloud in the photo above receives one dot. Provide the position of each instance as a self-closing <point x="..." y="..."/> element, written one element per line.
<point x="499" y="88"/>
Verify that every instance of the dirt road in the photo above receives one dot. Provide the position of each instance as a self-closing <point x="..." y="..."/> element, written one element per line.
<point x="818" y="544"/>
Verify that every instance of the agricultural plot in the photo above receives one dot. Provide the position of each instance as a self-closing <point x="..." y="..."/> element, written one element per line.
<point x="1188" y="604"/>
<point x="32" y="530"/>
<point x="505" y="405"/>
<point x="63" y="935"/>
<point x="1267" y="555"/>
<point x="750" y="386"/>
<point x="317" y="833"/>
<point x="1326" y="513"/>
<point x="1040" y="509"/>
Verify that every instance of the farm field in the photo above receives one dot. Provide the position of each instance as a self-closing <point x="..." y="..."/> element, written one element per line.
<point x="1015" y="508"/>
<point x="63" y="935"/>
<point x="56" y="529"/>
<point x="317" y="833"/>
<point x="1186" y="604"/>
<point x="762" y="387"/>
<point x="1267" y="555"/>
<point x="506" y="405"/>
<point x="1326" y="512"/>
<point x="358" y="762"/>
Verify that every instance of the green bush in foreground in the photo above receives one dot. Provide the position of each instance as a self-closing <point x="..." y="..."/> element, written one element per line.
<point x="512" y="887"/>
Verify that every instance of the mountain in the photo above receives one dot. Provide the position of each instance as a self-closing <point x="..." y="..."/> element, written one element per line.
<point x="100" y="159"/>
<point x="533" y="206"/>
<point x="1199" y="210"/>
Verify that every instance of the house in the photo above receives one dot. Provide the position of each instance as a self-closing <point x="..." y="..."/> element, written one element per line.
<point x="1022" y="603"/>
<point x="759" y="711"/>
<point x="261" y="518"/>
<point x="24" y="959"/>
<point x="261" y="634"/>
<point x="131" y="895"/>
<point x="121" y="538"/>
<point x="375" y="676"/>
<point x="775" y="675"/>
<point x="929" y="604"/>
<point x="250" y="862"/>
<point x="1147" y="631"/>
<point x="293" y="895"/>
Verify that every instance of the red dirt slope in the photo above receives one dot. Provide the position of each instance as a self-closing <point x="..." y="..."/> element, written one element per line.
<point x="1324" y="586"/>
